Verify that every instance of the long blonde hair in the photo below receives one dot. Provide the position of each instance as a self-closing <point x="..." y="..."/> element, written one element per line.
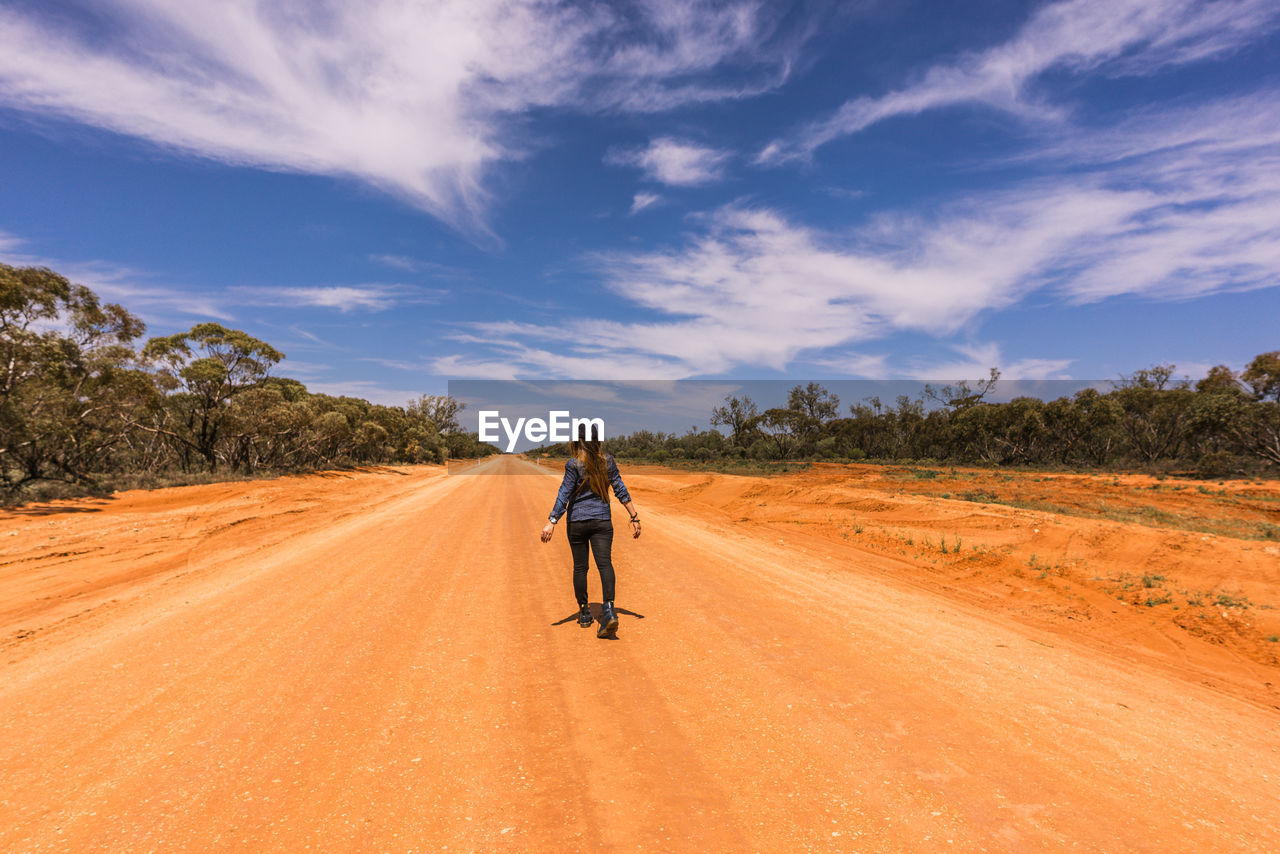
<point x="590" y="456"/>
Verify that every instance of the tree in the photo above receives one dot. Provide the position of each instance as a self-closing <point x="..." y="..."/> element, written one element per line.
<point x="814" y="407"/>
<point x="903" y="423"/>
<point x="976" y="437"/>
<point x="1012" y="432"/>
<point x="1217" y="404"/>
<point x="1257" y="429"/>
<point x="961" y="395"/>
<point x="814" y="401"/>
<point x="866" y="432"/>
<point x="740" y="416"/>
<point x="1155" y="412"/>
<point x="1101" y="417"/>
<point x="784" y="429"/>
<point x="1156" y="378"/>
<point x="1021" y="429"/>
<point x="208" y="365"/>
<point x="1263" y="376"/>
<point x="1082" y="426"/>
<point x="1219" y="379"/>
<point x="439" y="409"/>
<point x="66" y="378"/>
<point x="266" y="426"/>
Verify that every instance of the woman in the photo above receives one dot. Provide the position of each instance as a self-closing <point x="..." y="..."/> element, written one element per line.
<point x="584" y="493"/>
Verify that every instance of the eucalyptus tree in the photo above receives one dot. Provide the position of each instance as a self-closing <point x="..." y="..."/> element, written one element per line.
<point x="67" y="379"/>
<point x="740" y="415"/>
<point x="203" y="369"/>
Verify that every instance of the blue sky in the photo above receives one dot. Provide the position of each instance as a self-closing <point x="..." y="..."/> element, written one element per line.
<point x="397" y="193"/>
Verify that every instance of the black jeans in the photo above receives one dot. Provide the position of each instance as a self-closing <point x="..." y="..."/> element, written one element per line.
<point x="598" y="533"/>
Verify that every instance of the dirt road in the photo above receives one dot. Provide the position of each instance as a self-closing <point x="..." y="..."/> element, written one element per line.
<point x="388" y="661"/>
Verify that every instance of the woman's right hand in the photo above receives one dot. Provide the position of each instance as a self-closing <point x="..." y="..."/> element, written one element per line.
<point x="547" y="530"/>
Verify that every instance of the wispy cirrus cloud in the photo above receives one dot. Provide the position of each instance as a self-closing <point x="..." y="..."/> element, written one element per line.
<point x="644" y="200"/>
<point x="757" y="290"/>
<point x="135" y="289"/>
<point x="674" y="162"/>
<point x="399" y="262"/>
<point x="344" y="298"/>
<point x="525" y="350"/>
<point x="167" y="304"/>
<point x="416" y="99"/>
<point x="1168" y="205"/>
<point x="410" y="264"/>
<point x="972" y="361"/>
<point x="1113" y="37"/>
<point x="1210" y="177"/>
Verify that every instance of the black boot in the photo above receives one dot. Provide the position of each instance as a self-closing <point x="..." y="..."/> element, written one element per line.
<point x="584" y="616"/>
<point x="608" y="622"/>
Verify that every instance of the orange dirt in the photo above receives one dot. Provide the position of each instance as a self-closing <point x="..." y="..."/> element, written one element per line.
<point x="387" y="660"/>
<point x="1130" y="564"/>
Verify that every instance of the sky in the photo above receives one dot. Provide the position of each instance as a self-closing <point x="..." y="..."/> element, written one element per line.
<point x="398" y="194"/>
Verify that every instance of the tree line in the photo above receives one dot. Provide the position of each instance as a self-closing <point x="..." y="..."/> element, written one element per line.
<point x="82" y="404"/>
<point x="85" y="402"/>
<point x="1226" y="423"/>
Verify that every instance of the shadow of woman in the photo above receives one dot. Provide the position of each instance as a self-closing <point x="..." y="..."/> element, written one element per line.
<point x="595" y="612"/>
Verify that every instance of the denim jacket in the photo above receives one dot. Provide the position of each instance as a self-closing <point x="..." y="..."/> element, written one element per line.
<point x="587" y="505"/>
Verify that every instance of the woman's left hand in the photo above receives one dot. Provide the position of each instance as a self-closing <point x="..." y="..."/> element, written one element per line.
<point x="635" y="529"/>
<point x="547" y="530"/>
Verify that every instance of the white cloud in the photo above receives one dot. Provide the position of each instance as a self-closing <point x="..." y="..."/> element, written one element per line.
<point x="1073" y="36"/>
<point x="974" y="362"/>
<point x="1211" y="175"/>
<point x="853" y="364"/>
<point x="345" y="298"/>
<point x="310" y="336"/>
<point x="162" y="304"/>
<point x="1226" y="129"/>
<point x="409" y="264"/>
<point x="342" y="298"/>
<point x="303" y="371"/>
<point x="644" y="200"/>
<point x="1172" y="205"/>
<point x="417" y="99"/>
<point x="844" y="192"/>
<point x="169" y="305"/>
<point x="675" y="162"/>
<point x="977" y="359"/>
<point x="122" y="284"/>
<point x="465" y="367"/>
<point x="399" y="262"/>
<point x="513" y="357"/>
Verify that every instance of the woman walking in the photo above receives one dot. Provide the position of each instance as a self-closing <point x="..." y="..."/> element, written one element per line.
<point x="584" y="494"/>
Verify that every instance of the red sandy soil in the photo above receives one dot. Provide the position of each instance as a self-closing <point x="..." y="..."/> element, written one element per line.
<point x="1132" y="564"/>
<point x="387" y="661"/>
